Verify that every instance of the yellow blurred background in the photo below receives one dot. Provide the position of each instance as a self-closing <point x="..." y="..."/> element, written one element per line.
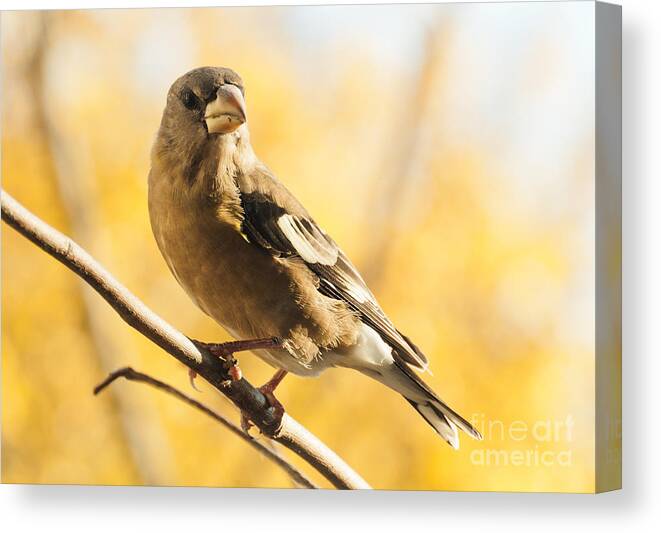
<point x="448" y="149"/>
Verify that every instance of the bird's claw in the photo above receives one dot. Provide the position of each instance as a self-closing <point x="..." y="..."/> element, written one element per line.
<point x="191" y="378"/>
<point x="246" y="424"/>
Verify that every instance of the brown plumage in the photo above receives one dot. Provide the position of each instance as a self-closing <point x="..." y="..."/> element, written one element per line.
<point x="251" y="257"/>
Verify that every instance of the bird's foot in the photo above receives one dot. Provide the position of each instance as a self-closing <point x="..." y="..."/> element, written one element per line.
<point x="268" y="390"/>
<point x="226" y="351"/>
<point x="233" y="370"/>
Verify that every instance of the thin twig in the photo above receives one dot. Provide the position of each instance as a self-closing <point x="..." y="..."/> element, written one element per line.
<point x="271" y="422"/>
<point x="133" y="375"/>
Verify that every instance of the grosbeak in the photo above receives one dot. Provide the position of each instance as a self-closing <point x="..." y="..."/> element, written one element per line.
<point x="251" y="257"/>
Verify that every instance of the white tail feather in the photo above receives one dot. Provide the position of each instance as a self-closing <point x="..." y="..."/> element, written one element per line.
<point x="374" y="358"/>
<point x="439" y="422"/>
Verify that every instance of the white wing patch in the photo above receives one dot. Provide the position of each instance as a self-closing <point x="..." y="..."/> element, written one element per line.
<point x="311" y="248"/>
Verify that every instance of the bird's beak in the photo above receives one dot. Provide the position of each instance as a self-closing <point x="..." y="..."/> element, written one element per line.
<point x="227" y="112"/>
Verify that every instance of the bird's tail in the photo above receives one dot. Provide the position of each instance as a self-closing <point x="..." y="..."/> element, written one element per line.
<point x="424" y="400"/>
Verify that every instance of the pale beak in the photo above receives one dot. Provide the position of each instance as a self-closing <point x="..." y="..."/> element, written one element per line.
<point x="227" y="112"/>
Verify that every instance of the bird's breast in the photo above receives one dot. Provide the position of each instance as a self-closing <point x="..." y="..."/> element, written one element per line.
<point x="241" y="286"/>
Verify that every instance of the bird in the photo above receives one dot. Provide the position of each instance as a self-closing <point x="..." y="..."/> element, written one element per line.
<point x="250" y="256"/>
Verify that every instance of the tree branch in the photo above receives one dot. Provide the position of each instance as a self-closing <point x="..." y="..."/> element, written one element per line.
<point x="132" y="375"/>
<point x="279" y="427"/>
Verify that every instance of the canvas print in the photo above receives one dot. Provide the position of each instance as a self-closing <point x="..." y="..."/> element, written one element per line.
<point x="335" y="246"/>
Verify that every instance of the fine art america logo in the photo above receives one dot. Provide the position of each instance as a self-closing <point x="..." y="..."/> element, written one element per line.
<point x="542" y="442"/>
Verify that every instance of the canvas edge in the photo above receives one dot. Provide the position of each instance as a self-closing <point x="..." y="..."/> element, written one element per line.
<point x="608" y="244"/>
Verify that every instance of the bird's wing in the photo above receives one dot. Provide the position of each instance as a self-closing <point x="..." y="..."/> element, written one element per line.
<point x="275" y="220"/>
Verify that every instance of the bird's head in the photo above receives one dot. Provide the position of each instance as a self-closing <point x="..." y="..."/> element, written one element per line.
<point x="205" y="113"/>
<point x="206" y="100"/>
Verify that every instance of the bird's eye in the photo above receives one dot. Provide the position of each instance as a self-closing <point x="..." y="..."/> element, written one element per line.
<point x="189" y="99"/>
